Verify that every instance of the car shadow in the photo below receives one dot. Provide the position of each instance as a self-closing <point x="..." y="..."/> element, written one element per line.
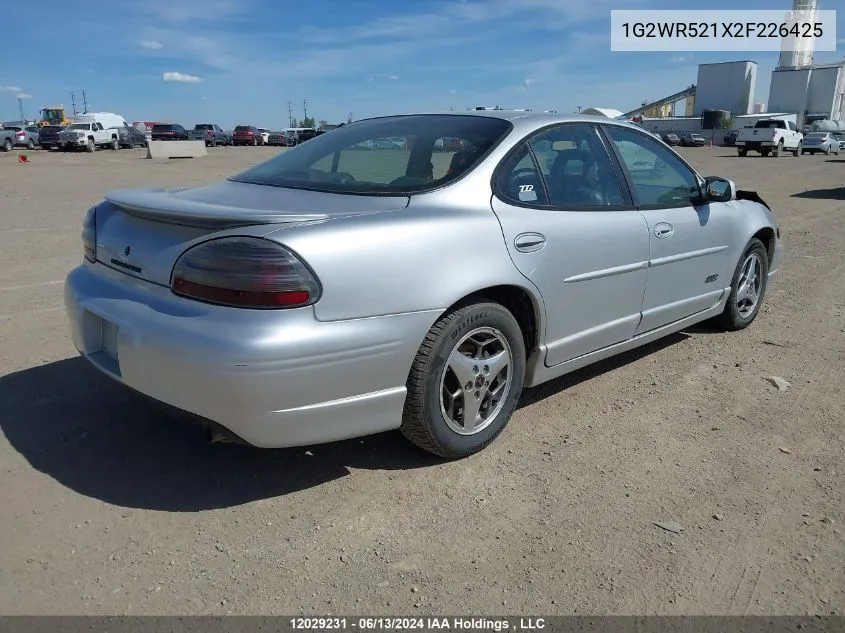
<point x="102" y="441"/>
<point x="837" y="193"/>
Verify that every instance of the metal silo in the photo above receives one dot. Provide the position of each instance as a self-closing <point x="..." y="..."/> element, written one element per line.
<point x="798" y="53"/>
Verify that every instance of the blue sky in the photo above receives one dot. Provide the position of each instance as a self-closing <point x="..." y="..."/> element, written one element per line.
<point x="240" y="61"/>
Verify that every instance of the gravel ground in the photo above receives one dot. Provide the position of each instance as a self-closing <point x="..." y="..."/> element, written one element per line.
<point x="110" y="508"/>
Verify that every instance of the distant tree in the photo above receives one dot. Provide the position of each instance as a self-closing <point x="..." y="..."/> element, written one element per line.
<point x="322" y="123"/>
<point x="306" y="122"/>
<point x="349" y="118"/>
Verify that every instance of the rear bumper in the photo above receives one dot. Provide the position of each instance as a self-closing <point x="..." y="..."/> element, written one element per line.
<point x="272" y="378"/>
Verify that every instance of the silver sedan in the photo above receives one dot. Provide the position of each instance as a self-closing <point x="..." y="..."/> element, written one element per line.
<point x="330" y="293"/>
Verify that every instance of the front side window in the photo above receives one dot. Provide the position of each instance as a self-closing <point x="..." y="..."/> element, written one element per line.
<point x="576" y="166"/>
<point x="658" y="176"/>
<point x="366" y="157"/>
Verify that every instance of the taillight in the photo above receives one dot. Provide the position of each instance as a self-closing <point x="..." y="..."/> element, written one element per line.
<point x="20" y="133"/>
<point x="247" y="272"/>
<point x="89" y="235"/>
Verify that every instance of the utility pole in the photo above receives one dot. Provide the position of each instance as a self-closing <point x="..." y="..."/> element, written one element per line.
<point x="73" y="103"/>
<point x="84" y="103"/>
<point x="305" y="107"/>
<point x="579" y="109"/>
<point x="20" y="108"/>
<point x="290" y="113"/>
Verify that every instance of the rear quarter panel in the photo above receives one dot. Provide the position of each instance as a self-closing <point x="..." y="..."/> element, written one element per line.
<point x="425" y="257"/>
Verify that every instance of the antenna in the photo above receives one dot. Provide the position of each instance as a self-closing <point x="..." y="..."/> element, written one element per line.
<point x="73" y="103"/>
<point x="84" y="103"/>
<point x="290" y="114"/>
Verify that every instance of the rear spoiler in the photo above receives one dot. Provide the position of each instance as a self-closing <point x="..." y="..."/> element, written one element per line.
<point x="753" y="196"/>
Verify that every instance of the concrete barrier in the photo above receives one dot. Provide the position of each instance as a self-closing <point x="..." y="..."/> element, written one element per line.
<point x="176" y="149"/>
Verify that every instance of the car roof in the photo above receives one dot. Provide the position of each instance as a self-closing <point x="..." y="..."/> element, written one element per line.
<point x="523" y="120"/>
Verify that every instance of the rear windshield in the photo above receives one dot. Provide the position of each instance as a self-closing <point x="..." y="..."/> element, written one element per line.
<point x="12" y="128"/>
<point x="817" y="135"/>
<point x="79" y="126"/>
<point x="162" y="128"/>
<point x="770" y="124"/>
<point x="204" y="126"/>
<point x="358" y="158"/>
<point x="243" y="128"/>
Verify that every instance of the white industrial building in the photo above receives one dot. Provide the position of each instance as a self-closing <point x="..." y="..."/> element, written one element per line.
<point x="726" y="86"/>
<point x="815" y="93"/>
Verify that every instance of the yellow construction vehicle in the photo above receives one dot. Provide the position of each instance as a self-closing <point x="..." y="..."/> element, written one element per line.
<point x="53" y="116"/>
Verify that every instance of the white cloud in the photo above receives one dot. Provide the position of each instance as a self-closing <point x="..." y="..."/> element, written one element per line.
<point x="451" y="92"/>
<point x="393" y="77"/>
<point x="151" y="45"/>
<point x="10" y="89"/>
<point x="24" y="95"/>
<point x="677" y="59"/>
<point x="180" y="77"/>
<point x="528" y="82"/>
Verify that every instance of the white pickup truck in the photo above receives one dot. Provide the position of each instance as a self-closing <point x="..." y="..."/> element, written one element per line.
<point x="88" y="136"/>
<point x="770" y="136"/>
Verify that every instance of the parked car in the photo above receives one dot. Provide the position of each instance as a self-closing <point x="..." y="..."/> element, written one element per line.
<point x="279" y="139"/>
<point x="211" y="133"/>
<point x="23" y="136"/>
<point x="169" y="132"/>
<point x="48" y="136"/>
<point x="130" y="137"/>
<point x="247" y="135"/>
<point x="265" y="134"/>
<point x="672" y="139"/>
<point x="7" y="139"/>
<point x="730" y="138"/>
<point x="840" y="136"/>
<point x="821" y="142"/>
<point x="770" y="136"/>
<point x="88" y="136"/>
<point x="288" y="332"/>
<point x="693" y="140"/>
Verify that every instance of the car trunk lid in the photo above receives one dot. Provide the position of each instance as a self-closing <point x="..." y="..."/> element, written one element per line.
<point x="142" y="232"/>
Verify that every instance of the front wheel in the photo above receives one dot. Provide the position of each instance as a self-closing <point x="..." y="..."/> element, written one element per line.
<point x="91" y="147"/>
<point x="799" y="150"/>
<point x="748" y="287"/>
<point x="8" y="145"/>
<point x="465" y="381"/>
<point x="114" y="145"/>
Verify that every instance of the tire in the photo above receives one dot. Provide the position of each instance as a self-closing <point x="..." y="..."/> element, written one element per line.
<point x="798" y="149"/>
<point x="214" y="143"/>
<point x="255" y="142"/>
<point x="90" y="148"/>
<point x="114" y="145"/>
<point x="737" y="314"/>
<point x="778" y="150"/>
<point x="8" y="145"/>
<point x="742" y="153"/>
<point x="828" y="151"/>
<point x="425" y="420"/>
<point x="30" y="145"/>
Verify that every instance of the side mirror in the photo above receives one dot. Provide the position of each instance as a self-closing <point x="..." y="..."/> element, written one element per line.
<point x="719" y="189"/>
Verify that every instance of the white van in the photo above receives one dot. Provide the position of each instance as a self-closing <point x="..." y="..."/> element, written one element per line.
<point x="107" y="119"/>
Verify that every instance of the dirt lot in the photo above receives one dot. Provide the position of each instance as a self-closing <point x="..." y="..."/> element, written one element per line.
<point x="108" y="507"/>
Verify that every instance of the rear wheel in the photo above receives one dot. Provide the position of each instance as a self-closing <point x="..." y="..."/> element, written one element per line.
<point x="254" y="142"/>
<point x="114" y="145"/>
<point x="778" y="150"/>
<point x="828" y="151"/>
<point x="465" y="381"/>
<point x="30" y="144"/>
<point x="799" y="149"/>
<point x="748" y="287"/>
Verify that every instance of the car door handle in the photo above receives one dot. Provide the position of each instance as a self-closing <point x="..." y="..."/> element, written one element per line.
<point x="529" y="242"/>
<point x="663" y="230"/>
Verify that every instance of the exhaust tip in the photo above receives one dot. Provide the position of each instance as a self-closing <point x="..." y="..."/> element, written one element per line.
<point x="216" y="436"/>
